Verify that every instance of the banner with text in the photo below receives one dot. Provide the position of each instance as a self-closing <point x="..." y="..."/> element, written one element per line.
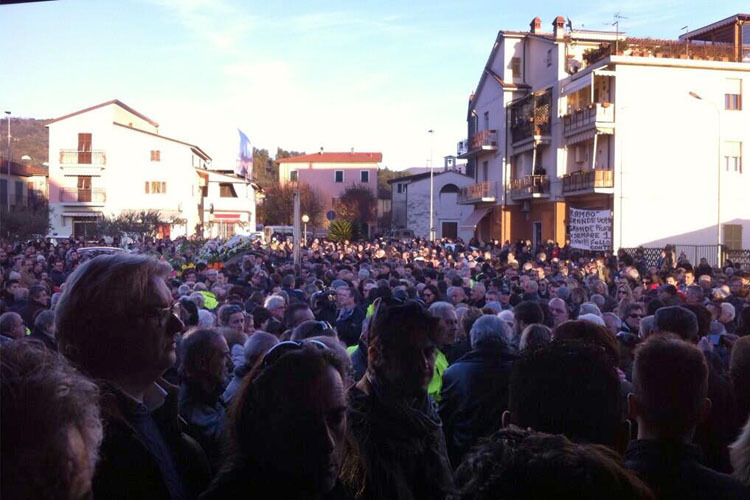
<point x="591" y="229"/>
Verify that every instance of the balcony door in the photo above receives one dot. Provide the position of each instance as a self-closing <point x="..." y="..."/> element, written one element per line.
<point x="84" y="149"/>
<point x="84" y="188"/>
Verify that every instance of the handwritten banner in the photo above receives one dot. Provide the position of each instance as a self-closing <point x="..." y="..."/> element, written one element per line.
<point x="590" y="229"/>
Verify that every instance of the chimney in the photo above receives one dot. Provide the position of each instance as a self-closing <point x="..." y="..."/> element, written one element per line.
<point x="321" y="150"/>
<point x="559" y="27"/>
<point x="536" y="25"/>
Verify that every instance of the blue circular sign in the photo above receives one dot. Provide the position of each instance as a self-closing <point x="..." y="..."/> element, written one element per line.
<point x="330" y="215"/>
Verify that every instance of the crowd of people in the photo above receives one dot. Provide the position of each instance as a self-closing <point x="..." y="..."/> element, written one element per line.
<point x="371" y="370"/>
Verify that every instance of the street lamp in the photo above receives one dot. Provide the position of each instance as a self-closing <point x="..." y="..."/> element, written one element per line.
<point x="7" y="191"/>
<point x="432" y="188"/>
<point x="305" y="220"/>
<point x="697" y="96"/>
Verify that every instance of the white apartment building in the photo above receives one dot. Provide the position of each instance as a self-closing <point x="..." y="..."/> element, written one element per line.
<point x="110" y="158"/>
<point x="598" y="120"/>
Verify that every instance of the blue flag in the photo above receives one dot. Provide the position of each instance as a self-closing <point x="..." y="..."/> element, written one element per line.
<point x="244" y="166"/>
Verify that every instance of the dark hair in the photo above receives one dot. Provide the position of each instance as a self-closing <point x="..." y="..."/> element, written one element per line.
<point x="97" y="323"/>
<point x="226" y="311"/>
<point x="703" y="315"/>
<point x="528" y="312"/>
<point x="678" y="320"/>
<point x="260" y="316"/>
<point x="312" y="328"/>
<point x="670" y="380"/>
<point x="195" y="347"/>
<point x="520" y="465"/>
<point x="43" y="398"/>
<point x="567" y="387"/>
<point x="589" y="332"/>
<point x="36" y="290"/>
<point x="653" y="305"/>
<point x="191" y="309"/>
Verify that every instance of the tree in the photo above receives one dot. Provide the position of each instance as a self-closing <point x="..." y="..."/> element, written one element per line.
<point x="143" y="223"/>
<point x="25" y="223"/>
<point x="357" y="204"/>
<point x="384" y="175"/>
<point x="340" y="230"/>
<point x="278" y="206"/>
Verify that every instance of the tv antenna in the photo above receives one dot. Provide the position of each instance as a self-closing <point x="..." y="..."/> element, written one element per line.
<point x="687" y="42"/>
<point x="617" y="17"/>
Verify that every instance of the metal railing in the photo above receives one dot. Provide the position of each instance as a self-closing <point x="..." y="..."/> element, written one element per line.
<point x="483" y="191"/>
<point x="75" y="195"/>
<point x="75" y="157"/>
<point x="530" y="185"/>
<point x="588" y="179"/>
<point x="486" y="140"/>
<point x="694" y="254"/>
<point x="581" y="119"/>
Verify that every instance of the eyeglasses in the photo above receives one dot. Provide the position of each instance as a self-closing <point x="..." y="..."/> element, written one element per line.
<point x="287" y="346"/>
<point x="165" y="313"/>
<point x="635" y="315"/>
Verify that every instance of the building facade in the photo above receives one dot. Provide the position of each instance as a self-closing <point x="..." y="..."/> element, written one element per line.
<point x="109" y="158"/>
<point x="597" y="120"/>
<point x="25" y="187"/>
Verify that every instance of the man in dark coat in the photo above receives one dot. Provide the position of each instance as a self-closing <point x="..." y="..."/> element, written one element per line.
<point x="475" y="388"/>
<point x="116" y="323"/>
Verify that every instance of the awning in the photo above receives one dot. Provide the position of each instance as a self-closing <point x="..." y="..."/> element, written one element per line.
<point x="476" y="216"/>
<point x="81" y="214"/>
<point x="227" y="216"/>
<point x="584" y="136"/>
<point x="576" y="85"/>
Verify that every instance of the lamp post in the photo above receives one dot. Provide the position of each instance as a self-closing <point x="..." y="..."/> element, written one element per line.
<point x="697" y="96"/>
<point x="7" y="190"/>
<point x="432" y="189"/>
<point x="305" y="220"/>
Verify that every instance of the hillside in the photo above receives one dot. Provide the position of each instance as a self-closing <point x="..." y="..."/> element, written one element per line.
<point x="29" y="136"/>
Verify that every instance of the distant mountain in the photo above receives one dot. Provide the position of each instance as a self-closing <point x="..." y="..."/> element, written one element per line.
<point x="29" y="137"/>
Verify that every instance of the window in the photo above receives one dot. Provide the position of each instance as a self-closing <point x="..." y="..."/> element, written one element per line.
<point x="364" y="176"/>
<point x="226" y="190"/>
<point x="155" y="155"/>
<point x="84" y="149"/>
<point x="399" y="187"/>
<point x="515" y="68"/>
<point x="733" y="94"/>
<point x="338" y="176"/>
<point x="733" y="236"/>
<point x="156" y="187"/>
<point x="732" y="155"/>
<point x="293" y="176"/>
<point x="549" y="58"/>
<point x="486" y="120"/>
<point x="3" y="192"/>
<point x="485" y="170"/>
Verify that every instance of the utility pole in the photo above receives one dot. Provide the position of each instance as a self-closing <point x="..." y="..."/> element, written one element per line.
<point x="297" y="238"/>
<point x="432" y="188"/>
<point x="7" y="191"/>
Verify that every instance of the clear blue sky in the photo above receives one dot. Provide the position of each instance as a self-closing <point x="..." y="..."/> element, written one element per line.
<point x="372" y="75"/>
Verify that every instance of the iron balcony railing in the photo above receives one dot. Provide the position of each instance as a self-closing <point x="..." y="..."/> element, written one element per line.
<point x="530" y="186"/>
<point x="482" y="192"/>
<point x="486" y="140"/>
<point x="581" y="119"/>
<point x="75" y="195"/>
<point x="588" y="179"/>
<point x="75" y="157"/>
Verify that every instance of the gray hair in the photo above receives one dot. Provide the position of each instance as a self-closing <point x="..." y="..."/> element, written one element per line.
<point x="441" y="309"/>
<point x="7" y="320"/>
<point x="206" y="318"/>
<point x="495" y="306"/>
<point x="599" y="300"/>
<point x="198" y="299"/>
<point x="257" y="346"/>
<point x="183" y="290"/>
<point x="274" y="302"/>
<point x="44" y="320"/>
<point x="489" y="329"/>
<point x="589" y="308"/>
<point x="647" y="326"/>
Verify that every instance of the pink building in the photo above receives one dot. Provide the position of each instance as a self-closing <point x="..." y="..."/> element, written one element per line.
<point x="331" y="173"/>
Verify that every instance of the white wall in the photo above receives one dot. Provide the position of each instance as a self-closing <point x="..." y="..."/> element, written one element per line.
<point x="445" y="209"/>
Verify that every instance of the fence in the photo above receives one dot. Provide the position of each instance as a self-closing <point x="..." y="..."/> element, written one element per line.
<point x="695" y="253"/>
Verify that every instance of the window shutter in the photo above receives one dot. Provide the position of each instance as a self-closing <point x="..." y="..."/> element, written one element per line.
<point x="147" y="187"/>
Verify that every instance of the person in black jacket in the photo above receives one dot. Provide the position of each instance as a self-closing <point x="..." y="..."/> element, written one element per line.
<point x="349" y="316"/>
<point x="116" y="322"/>
<point x="670" y="379"/>
<point x="475" y="388"/>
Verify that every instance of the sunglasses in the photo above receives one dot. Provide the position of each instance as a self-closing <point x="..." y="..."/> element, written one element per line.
<point x="282" y="348"/>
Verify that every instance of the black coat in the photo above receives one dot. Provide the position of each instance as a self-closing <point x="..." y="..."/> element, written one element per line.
<point x="350" y="328"/>
<point x="474" y="397"/>
<point x="673" y="470"/>
<point x="127" y="469"/>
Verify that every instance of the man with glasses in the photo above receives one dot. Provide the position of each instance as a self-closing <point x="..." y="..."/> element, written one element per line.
<point x="116" y="323"/>
<point x="632" y="318"/>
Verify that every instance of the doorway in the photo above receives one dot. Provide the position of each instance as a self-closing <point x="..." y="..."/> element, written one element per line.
<point x="449" y="230"/>
<point x="537" y="234"/>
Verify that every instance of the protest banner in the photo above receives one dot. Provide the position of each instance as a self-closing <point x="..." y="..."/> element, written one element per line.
<point x="590" y="229"/>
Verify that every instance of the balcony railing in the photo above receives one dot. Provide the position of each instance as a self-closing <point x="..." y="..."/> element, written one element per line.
<point x="582" y="119"/>
<point x="588" y="179"/>
<point x="74" y="157"/>
<point x="483" y="192"/>
<point x="486" y="140"/>
<point x="530" y="186"/>
<point x="75" y="195"/>
<point x="530" y="116"/>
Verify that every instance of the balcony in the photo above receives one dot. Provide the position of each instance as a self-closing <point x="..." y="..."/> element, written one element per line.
<point x="598" y="115"/>
<point x="530" y="186"/>
<point x="75" y="157"/>
<point x="530" y="117"/>
<point x="588" y="181"/>
<point x="484" y="192"/>
<point x="486" y="140"/>
<point x="93" y="196"/>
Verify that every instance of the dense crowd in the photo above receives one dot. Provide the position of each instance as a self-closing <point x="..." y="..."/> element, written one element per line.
<point x="371" y="370"/>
